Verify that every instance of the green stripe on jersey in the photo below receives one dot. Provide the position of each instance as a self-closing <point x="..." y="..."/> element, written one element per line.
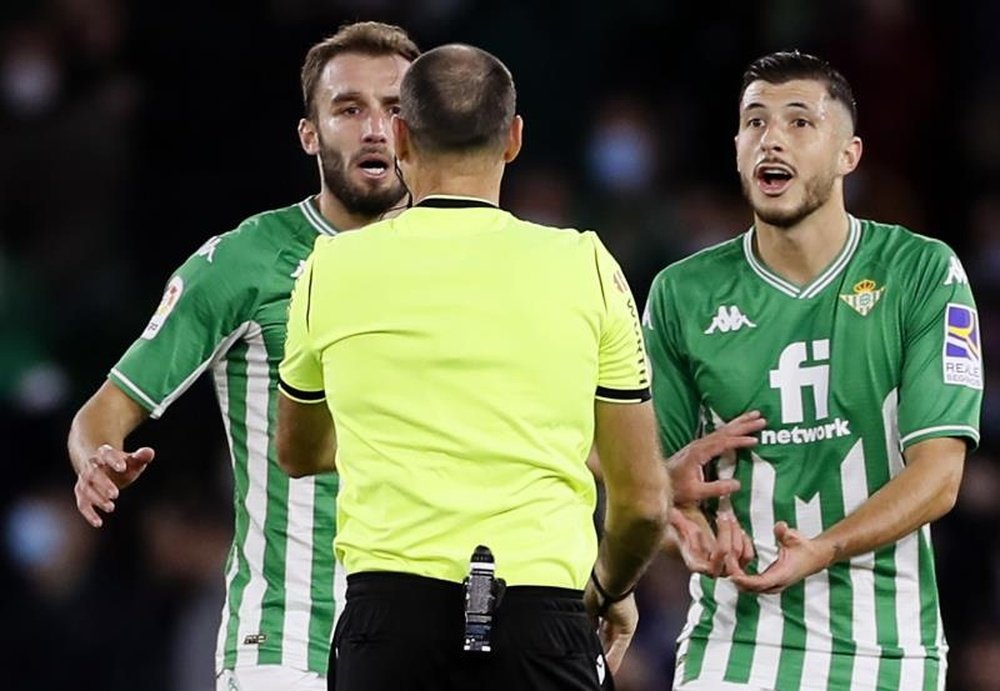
<point x="793" y="641"/>
<point x="323" y="564"/>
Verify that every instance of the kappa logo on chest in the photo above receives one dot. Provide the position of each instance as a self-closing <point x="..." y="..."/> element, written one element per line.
<point x="729" y="318"/>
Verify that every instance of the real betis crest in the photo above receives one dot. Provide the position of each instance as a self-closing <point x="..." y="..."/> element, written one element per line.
<point x="865" y="296"/>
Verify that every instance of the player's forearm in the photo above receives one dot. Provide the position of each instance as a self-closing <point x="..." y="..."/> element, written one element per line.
<point x="107" y="418"/>
<point x="923" y="492"/>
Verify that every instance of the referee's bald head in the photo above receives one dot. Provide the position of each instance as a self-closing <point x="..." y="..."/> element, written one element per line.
<point x="458" y="99"/>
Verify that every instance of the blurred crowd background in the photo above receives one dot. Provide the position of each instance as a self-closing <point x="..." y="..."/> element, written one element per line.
<point x="132" y="131"/>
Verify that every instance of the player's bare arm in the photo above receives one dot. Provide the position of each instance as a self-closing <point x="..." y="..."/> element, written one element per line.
<point x="306" y="440"/>
<point x="923" y="492"/>
<point x="95" y="444"/>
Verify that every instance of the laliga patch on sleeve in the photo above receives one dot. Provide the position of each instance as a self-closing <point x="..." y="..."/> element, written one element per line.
<point x="170" y="297"/>
<point x="962" y="356"/>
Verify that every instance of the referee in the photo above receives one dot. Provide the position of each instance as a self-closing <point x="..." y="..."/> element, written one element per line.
<point x="467" y="360"/>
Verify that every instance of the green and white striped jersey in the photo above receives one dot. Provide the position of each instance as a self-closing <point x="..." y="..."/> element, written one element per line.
<point x="880" y="351"/>
<point x="225" y="310"/>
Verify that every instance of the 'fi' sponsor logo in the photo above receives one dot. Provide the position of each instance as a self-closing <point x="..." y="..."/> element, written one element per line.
<point x="865" y="296"/>
<point x="170" y="297"/>
<point x="962" y="357"/>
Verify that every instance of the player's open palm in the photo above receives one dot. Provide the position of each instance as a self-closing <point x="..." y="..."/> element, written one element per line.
<point x="798" y="557"/>
<point x="107" y="471"/>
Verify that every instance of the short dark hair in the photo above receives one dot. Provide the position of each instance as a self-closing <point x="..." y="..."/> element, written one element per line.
<point x="367" y="38"/>
<point x="784" y="66"/>
<point x="457" y="98"/>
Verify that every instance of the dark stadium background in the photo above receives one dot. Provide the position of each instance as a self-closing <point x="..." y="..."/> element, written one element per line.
<point x="132" y="131"/>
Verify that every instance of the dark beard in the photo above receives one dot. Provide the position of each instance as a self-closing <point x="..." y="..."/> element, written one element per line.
<point x="818" y="191"/>
<point x="357" y="199"/>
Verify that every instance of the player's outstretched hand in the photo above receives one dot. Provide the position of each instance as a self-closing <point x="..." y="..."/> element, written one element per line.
<point x="107" y="471"/>
<point x="615" y="627"/>
<point x="706" y="552"/>
<point x="686" y="466"/>
<point x="798" y="557"/>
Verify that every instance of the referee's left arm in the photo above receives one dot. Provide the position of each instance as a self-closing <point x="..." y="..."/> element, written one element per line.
<point x="306" y="439"/>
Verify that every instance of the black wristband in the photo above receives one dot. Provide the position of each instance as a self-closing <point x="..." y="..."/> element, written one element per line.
<point x="607" y="598"/>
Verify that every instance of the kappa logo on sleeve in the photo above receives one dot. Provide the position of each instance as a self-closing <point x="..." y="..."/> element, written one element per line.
<point x="956" y="274"/>
<point x="962" y="356"/>
<point x="208" y="249"/>
<point x="170" y="297"/>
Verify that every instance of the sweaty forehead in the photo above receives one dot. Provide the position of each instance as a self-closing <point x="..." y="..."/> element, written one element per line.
<point x="379" y="76"/>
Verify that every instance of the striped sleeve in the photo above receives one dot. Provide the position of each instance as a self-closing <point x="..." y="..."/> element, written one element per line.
<point x="622" y="371"/>
<point x="300" y="374"/>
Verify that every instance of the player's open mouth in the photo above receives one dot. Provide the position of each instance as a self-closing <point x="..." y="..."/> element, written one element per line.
<point x="375" y="166"/>
<point x="773" y="178"/>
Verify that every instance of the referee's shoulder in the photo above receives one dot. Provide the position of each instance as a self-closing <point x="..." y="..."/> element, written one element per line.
<point x="345" y="240"/>
<point x="559" y="234"/>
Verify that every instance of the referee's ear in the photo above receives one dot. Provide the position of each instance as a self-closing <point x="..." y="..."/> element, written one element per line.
<point x="401" y="138"/>
<point x="514" y="137"/>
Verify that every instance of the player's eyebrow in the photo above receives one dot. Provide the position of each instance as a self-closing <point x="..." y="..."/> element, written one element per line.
<point x="754" y="105"/>
<point x="345" y="96"/>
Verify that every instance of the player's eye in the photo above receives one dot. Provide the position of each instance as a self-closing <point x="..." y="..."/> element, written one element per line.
<point x="394" y="110"/>
<point x="755" y="122"/>
<point x="349" y="110"/>
<point x="801" y="122"/>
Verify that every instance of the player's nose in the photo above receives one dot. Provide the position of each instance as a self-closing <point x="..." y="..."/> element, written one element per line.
<point x="376" y="129"/>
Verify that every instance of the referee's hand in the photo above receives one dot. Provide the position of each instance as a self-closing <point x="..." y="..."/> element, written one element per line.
<point x="615" y="628"/>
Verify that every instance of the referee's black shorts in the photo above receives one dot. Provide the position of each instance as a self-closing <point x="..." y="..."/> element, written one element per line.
<point x="401" y="632"/>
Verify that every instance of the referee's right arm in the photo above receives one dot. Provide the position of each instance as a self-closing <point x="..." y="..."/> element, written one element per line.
<point x="637" y="484"/>
<point x="638" y="494"/>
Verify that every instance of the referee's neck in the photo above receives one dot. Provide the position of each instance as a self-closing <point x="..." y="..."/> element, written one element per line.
<point x="458" y="179"/>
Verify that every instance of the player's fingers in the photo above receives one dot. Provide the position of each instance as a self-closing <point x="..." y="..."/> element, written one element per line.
<point x="111" y="457"/>
<point x="142" y="456"/>
<point x="103" y="487"/>
<point x="86" y="508"/>
<point x="724" y="540"/>
<point x="716" y="488"/>
<point x="745" y="423"/>
<point x="747" y="553"/>
<point x="785" y="535"/>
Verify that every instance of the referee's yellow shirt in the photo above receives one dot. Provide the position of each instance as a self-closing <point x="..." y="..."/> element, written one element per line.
<point x="460" y="351"/>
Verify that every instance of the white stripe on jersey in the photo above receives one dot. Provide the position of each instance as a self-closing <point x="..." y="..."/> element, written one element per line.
<point x="258" y="377"/>
<point x="959" y="431"/>
<point x="854" y="480"/>
<point x="693" y="617"/>
<point x="720" y="639"/>
<point x="907" y="581"/>
<point x="770" y="622"/>
<point x="298" y="571"/>
<point x="222" y="391"/>
<point x="819" y="639"/>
